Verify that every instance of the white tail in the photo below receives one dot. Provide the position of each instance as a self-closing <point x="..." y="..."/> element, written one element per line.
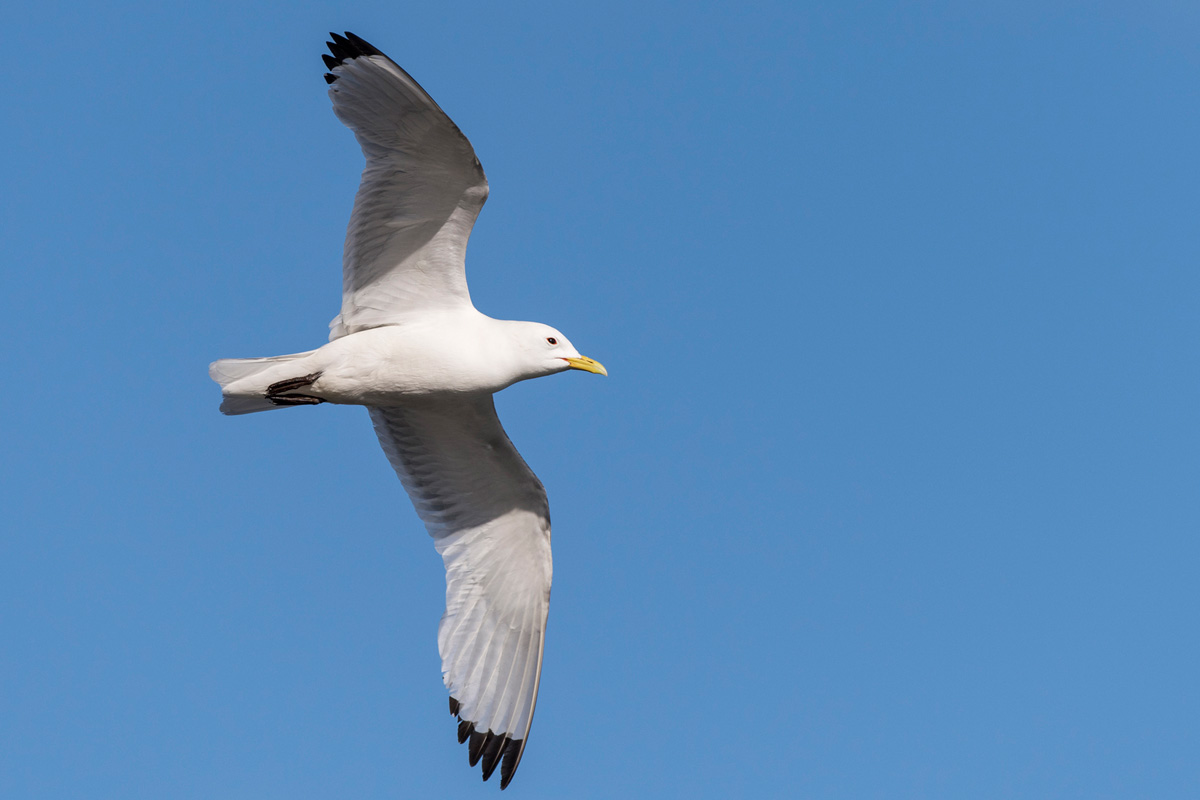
<point x="244" y="384"/>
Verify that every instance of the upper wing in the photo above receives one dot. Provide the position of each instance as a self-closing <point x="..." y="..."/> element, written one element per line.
<point x="488" y="515"/>
<point x="421" y="191"/>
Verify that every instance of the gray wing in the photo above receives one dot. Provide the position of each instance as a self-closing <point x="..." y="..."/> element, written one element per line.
<point x="488" y="516"/>
<point x="421" y="190"/>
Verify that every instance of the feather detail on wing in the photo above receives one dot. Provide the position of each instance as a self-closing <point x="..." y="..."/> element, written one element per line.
<point x="488" y="515"/>
<point x="421" y="190"/>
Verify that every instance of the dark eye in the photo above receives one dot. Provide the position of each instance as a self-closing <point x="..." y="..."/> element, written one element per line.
<point x="551" y="340"/>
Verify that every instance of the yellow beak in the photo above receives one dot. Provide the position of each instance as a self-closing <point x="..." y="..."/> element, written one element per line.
<point x="587" y="365"/>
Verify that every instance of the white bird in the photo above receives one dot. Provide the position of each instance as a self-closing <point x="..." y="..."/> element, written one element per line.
<point x="410" y="346"/>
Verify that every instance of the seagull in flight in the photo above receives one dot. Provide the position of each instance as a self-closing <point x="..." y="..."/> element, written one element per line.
<point x="411" y="347"/>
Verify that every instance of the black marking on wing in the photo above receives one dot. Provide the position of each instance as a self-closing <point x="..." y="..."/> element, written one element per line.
<point x="345" y="48"/>
<point x="495" y="750"/>
<point x="475" y="746"/>
<point x="512" y="754"/>
<point x="491" y="753"/>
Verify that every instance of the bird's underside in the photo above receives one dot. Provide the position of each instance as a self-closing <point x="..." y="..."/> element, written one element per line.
<point x="405" y="248"/>
<point x="409" y="345"/>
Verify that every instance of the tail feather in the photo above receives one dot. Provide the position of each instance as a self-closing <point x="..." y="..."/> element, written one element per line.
<point x="243" y="383"/>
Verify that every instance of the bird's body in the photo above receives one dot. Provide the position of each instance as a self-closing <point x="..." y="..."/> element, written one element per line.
<point x="411" y="347"/>
<point x="449" y="351"/>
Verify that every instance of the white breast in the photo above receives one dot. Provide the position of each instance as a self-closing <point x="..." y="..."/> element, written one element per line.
<point x="457" y="353"/>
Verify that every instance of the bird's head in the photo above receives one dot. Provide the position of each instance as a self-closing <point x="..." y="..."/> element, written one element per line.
<point x="546" y="351"/>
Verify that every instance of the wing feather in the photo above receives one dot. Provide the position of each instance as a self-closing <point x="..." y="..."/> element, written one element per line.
<point x="422" y="188"/>
<point x="488" y="516"/>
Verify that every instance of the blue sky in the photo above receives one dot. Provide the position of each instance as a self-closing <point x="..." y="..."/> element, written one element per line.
<point x="892" y="491"/>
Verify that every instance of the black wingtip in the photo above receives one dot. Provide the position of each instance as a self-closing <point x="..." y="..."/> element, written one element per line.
<point x="476" y="746"/>
<point x="346" y="48"/>
<point x="494" y="750"/>
<point x="492" y="753"/>
<point x="454" y="707"/>
<point x="362" y="44"/>
<point x="512" y="756"/>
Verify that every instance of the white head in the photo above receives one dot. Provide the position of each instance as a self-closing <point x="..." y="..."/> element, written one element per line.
<point x="545" y="351"/>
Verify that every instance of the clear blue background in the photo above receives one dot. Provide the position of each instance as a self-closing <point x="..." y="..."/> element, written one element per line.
<point x="892" y="491"/>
